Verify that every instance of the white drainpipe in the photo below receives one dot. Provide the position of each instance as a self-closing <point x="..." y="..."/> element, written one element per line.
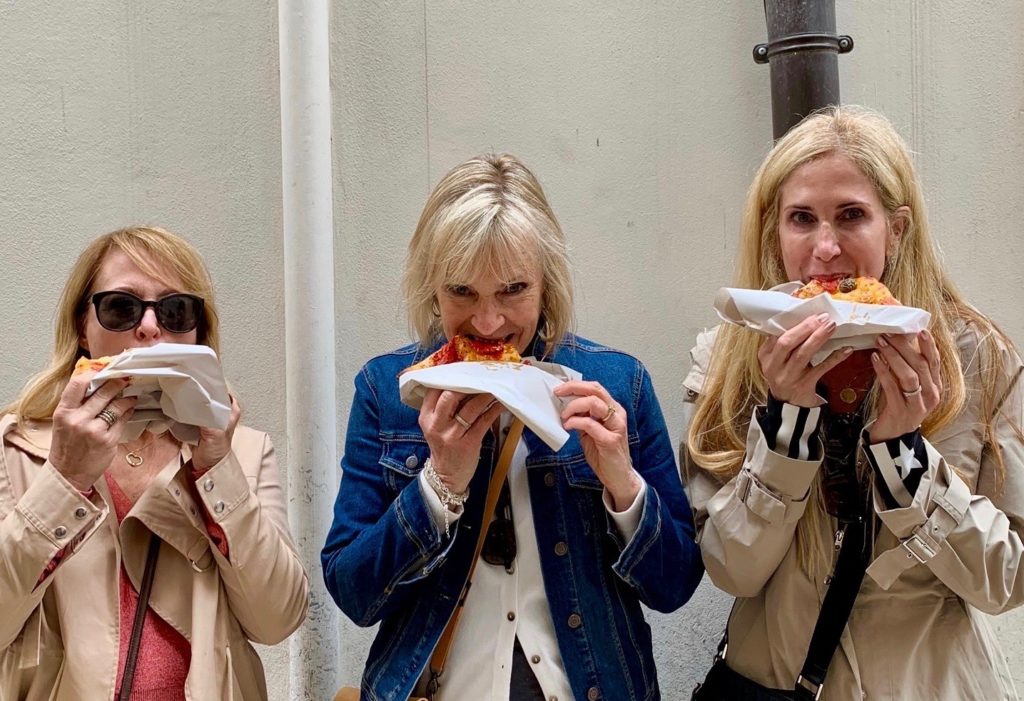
<point x="309" y="327"/>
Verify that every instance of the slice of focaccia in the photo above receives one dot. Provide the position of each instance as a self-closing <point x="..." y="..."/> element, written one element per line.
<point x="864" y="289"/>
<point x="94" y="364"/>
<point x="462" y="348"/>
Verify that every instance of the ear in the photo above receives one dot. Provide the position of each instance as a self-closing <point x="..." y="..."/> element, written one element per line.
<point x="898" y="223"/>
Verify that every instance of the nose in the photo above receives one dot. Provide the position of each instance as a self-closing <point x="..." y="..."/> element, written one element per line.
<point x="826" y="244"/>
<point x="148" y="328"/>
<point x="488" y="318"/>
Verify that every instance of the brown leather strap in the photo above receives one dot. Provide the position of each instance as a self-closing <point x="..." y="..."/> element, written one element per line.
<point x="128" y="678"/>
<point x="440" y="656"/>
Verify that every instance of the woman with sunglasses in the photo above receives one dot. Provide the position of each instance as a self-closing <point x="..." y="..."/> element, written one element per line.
<point x="85" y="513"/>
<point x="581" y="537"/>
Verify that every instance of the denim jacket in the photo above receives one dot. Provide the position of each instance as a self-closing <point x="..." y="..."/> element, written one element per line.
<point x="386" y="561"/>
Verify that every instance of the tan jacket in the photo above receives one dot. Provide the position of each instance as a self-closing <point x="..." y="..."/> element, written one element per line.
<point x="915" y="631"/>
<point x="59" y="640"/>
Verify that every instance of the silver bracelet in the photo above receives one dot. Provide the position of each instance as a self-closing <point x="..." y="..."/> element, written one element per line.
<point x="448" y="497"/>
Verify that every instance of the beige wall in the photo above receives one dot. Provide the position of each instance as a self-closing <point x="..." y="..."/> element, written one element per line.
<point x="644" y="121"/>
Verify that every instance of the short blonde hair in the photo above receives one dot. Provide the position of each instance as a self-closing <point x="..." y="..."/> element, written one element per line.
<point x="487" y="211"/>
<point x="156" y="252"/>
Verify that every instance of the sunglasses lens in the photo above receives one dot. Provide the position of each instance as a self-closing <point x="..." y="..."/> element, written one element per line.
<point x="118" y="312"/>
<point x="179" y="313"/>
<point x="500" y="543"/>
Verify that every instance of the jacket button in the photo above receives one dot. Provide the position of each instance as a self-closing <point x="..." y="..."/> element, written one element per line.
<point x="593" y="694"/>
<point x="535" y="659"/>
<point x="412" y="461"/>
<point x="80" y="513"/>
<point x="60" y="532"/>
<point x="549" y="479"/>
<point x="218" y="507"/>
<point x="561" y="548"/>
<point x="575" y="621"/>
<point x="510" y="615"/>
<point x="208" y="485"/>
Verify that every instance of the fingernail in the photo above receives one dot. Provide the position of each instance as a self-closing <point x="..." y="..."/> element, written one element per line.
<point x="882" y="342"/>
<point x="847" y="350"/>
<point x="925" y="334"/>
<point x="875" y="357"/>
<point x="822" y="318"/>
<point x="830" y="326"/>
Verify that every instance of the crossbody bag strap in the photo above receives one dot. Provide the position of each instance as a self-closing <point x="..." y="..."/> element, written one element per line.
<point x="440" y="656"/>
<point x="128" y="679"/>
<point x="849" y="503"/>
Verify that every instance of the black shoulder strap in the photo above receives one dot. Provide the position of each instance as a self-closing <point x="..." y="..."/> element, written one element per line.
<point x="128" y="678"/>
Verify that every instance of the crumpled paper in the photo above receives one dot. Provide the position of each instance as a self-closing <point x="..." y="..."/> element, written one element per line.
<point x="525" y="389"/>
<point x="775" y="311"/>
<point x="180" y="387"/>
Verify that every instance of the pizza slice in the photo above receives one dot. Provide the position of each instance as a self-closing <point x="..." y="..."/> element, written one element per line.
<point x="463" y="348"/>
<point x="92" y="364"/>
<point x="864" y="289"/>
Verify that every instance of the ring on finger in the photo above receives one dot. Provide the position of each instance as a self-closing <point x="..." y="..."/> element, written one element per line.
<point x="109" y="417"/>
<point x="610" y="414"/>
<point x="912" y="393"/>
<point x="462" y="422"/>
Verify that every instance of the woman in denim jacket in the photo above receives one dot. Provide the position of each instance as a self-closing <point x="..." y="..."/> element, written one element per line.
<point x="599" y="527"/>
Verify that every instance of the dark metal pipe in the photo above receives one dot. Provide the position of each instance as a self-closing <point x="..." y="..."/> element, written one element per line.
<point x="802" y="52"/>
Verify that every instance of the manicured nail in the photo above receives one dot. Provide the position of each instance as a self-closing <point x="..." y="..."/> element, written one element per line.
<point x="882" y="342"/>
<point x="830" y="326"/>
<point x="847" y="350"/>
<point x="822" y="318"/>
<point x="876" y="358"/>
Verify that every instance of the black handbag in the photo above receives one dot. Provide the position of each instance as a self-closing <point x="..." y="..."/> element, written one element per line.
<point x="847" y="500"/>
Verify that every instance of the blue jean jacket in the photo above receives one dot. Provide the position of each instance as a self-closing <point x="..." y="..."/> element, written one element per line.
<point x="386" y="561"/>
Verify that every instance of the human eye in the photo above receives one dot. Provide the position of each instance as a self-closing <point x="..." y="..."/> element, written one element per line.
<point x="514" y="288"/>
<point x="801" y="217"/>
<point x="459" y="290"/>
<point x="852" y="213"/>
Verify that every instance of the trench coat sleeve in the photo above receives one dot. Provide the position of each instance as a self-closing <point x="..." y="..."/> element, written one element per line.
<point x="380" y="545"/>
<point x="49" y="516"/>
<point x="262" y="564"/>
<point x="963" y="523"/>
<point x="746" y="525"/>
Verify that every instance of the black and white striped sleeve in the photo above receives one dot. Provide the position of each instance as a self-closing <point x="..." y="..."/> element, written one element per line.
<point x="791" y="430"/>
<point x="899" y="464"/>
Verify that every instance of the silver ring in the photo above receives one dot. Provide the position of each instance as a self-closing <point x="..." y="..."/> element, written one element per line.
<point x="916" y="392"/>
<point x="462" y="422"/>
<point x="109" y="417"/>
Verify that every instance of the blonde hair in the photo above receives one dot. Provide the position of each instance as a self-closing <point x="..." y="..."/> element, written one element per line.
<point x="157" y="253"/>
<point x="490" y="213"/>
<point x="734" y="384"/>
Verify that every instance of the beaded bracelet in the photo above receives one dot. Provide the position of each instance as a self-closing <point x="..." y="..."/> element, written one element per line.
<point x="448" y="497"/>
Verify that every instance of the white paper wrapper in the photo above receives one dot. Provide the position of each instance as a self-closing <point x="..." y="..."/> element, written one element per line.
<point x="525" y="390"/>
<point x="180" y="387"/>
<point x="775" y="311"/>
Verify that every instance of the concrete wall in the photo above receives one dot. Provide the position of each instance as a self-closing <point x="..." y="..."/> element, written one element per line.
<point x="644" y="121"/>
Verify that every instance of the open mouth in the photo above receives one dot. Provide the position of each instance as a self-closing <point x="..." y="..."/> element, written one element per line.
<point x="495" y="339"/>
<point x="830" y="277"/>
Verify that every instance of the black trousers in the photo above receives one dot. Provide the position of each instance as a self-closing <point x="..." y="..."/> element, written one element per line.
<point x="524" y="685"/>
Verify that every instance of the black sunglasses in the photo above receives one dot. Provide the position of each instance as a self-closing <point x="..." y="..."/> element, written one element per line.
<point x="123" y="311"/>
<point x="500" y="541"/>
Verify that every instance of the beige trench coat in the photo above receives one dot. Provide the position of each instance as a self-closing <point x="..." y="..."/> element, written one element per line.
<point x="59" y="640"/>
<point x="915" y="631"/>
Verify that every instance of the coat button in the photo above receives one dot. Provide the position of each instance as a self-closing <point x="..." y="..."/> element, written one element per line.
<point x="593" y="694"/>
<point x="208" y="485"/>
<point x="561" y="548"/>
<point x="412" y="461"/>
<point x="80" y="513"/>
<point x="218" y="507"/>
<point x="60" y="531"/>
<point x="575" y="621"/>
<point x="535" y="659"/>
<point x="549" y="479"/>
<point x="510" y="615"/>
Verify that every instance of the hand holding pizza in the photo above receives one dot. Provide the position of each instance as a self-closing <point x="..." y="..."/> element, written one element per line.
<point x="907" y="367"/>
<point x="214" y="444"/>
<point x="786" y="361"/>
<point x="601" y="422"/>
<point x="86" y="430"/>
<point x="454" y="425"/>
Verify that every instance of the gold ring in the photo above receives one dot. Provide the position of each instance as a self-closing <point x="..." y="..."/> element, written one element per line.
<point x="610" y="414"/>
<point x="462" y="422"/>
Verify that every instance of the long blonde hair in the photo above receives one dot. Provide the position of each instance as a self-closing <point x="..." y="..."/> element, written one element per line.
<point x="734" y="384"/>
<point x="157" y="252"/>
<point x="487" y="211"/>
